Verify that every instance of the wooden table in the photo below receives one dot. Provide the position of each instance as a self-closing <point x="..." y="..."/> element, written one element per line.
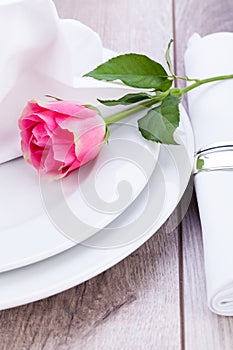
<point x="155" y="298"/>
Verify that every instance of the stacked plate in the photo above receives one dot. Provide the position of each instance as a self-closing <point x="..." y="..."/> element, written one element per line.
<point x="109" y="208"/>
<point x="37" y="260"/>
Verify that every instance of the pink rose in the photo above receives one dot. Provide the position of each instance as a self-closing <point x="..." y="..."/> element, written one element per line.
<point x="58" y="137"/>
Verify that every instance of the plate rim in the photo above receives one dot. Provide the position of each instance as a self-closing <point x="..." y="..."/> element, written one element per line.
<point x="75" y="280"/>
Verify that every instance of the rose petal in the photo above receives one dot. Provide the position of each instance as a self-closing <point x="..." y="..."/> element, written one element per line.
<point x="89" y="144"/>
<point x="40" y="134"/>
<point x="71" y="109"/>
<point x="59" y="137"/>
<point x="62" y="144"/>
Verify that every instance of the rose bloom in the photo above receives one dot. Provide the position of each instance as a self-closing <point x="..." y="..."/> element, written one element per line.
<point x="59" y="137"/>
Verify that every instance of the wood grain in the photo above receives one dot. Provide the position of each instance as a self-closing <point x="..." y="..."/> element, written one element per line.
<point x="202" y="329"/>
<point x="125" y="25"/>
<point x="134" y="305"/>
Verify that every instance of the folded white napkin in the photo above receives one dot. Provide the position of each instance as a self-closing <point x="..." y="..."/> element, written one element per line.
<point x="210" y="109"/>
<point x="39" y="53"/>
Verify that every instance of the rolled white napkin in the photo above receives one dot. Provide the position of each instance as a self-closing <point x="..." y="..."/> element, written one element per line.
<point x="39" y="53"/>
<point x="210" y="108"/>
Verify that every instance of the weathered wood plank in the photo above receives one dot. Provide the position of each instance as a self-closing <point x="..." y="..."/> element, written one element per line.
<point x="202" y="329"/>
<point x="125" y="25"/>
<point x="135" y="305"/>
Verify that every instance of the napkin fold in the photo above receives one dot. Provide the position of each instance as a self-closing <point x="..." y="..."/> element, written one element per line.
<point x="210" y="109"/>
<point x="39" y="54"/>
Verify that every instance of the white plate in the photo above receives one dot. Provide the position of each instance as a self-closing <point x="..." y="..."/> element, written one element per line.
<point x="82" y="262"/>
<point x="27" y="234"/>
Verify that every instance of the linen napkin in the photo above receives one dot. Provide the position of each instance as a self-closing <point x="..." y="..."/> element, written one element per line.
<point x="210" y="109"/>
<point x="39" y="54"/>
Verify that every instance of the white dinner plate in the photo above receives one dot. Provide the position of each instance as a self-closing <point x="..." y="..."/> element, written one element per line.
<point x="26" y="232"/>
<point x="32" y="227"/>
<point x="156" y="202"/>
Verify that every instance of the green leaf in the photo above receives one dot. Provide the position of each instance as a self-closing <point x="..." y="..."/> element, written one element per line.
<point x="127" y="99"/>
<point x="168" y="58"/>
<point x="134" y="70"/>
<point x="200" y="163"/>
<point x="161" y="122"/>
